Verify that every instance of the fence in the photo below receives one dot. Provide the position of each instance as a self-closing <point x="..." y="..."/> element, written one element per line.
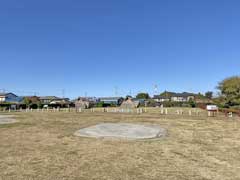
<point x="158" y="111"/>
<point x="80" y="110"/>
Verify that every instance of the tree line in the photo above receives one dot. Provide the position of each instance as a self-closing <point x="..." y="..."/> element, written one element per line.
<point x="228" y="93"/>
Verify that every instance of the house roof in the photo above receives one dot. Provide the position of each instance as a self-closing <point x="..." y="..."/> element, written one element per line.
<point x="184" y="94"/>
<point x="172" y="94"/>
<point x="5" y="94"/>
<point x="49" y="97"/>
<point x="15" y="100"/>
<point x="160" y="97"/>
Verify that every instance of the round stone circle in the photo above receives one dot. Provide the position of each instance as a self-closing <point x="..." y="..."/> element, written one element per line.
<point x="7" y="119"/>
<point x="122" y="131"/>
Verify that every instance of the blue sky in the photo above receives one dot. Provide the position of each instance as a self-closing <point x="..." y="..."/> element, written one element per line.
<point x="99" y="47"/>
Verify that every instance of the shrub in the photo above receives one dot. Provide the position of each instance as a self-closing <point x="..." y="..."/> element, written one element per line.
<point x="100" y="104"/>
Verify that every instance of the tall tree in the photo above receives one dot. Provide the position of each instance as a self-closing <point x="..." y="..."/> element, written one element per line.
<point x="230" y="89"/>
<point x="143" y="96"/>
<point x="209" y="94"/>
<point x="28" y="102"/>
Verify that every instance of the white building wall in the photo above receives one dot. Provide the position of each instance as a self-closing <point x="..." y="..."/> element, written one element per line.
<point x="2" y="99"/>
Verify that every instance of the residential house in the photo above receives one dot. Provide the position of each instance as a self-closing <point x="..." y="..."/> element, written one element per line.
<point x="182" y="97"/>
<point x="45" y="100"/>
<point x="10" y="100"/>
<point x="8" y="97"/>
<point x="159" y="98"/>
<point x="174" y="97"/>
<point x="54" y="101"/>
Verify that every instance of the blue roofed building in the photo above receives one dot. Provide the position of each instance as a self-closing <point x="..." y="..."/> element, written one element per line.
<point x="10" y="98"/>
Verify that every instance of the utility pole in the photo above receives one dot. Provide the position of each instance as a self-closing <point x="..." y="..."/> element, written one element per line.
<point x="63" y="93"/>
<point x="130" y="92"/>
<point x="116" y="91"/>
<point x="155" y="89"/>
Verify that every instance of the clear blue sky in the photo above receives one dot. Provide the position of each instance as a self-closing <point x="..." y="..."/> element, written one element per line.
<point x="94" y="46"/>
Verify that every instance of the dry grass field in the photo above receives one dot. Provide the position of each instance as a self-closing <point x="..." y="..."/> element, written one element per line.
<point x="41" y="146"/>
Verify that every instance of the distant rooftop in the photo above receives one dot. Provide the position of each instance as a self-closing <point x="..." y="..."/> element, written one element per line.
<point x="48" y="97"/>
<point x="4" y="94"/>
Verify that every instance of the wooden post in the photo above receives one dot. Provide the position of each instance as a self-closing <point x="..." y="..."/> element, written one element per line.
<point x="162" y="111"/>
<point x="209" y="113"/>
<point x="178" y="112"/>
<point x="197" y="113"/>
<point x="190" y="112"/>
<point x="166" y="111"/>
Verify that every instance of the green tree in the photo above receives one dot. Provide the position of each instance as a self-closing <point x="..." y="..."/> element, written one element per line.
<point x="28" y="102"/>
<point x="209" y="94"/>
<point x="230" y="89"/>
<point x="167" y="94"/>
<point x="192" y="103"/>
<point x="143" y="96"/>
<point x="100" y="104"/>
<point x="39" y="104"/>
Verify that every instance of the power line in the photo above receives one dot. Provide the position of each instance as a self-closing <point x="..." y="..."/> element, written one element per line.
<point x="116" y="90"/>
<point x="155" y="89"/>
<point x="63" y="93"/>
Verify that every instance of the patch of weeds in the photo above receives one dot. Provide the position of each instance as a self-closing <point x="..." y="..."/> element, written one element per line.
<point x="9" y="125"/>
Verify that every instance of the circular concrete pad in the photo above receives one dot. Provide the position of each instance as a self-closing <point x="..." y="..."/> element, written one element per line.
<point x="123" y="131"/>
<point x="7" y="119"/>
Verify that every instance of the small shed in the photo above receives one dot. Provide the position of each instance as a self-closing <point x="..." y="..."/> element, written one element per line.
<point x="129" y="103"/>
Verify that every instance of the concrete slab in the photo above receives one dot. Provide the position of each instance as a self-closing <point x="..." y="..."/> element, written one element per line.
<point x="7" y="119"/>
<point x="122" y="131"/>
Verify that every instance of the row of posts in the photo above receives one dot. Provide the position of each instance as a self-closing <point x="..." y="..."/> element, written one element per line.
<point x="138" y="110"/>
<point x="115" y="110"/>
<point x="163" y="111"/>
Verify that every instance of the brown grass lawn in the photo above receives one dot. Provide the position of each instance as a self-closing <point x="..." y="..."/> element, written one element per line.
<point x="41" y="146"/>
